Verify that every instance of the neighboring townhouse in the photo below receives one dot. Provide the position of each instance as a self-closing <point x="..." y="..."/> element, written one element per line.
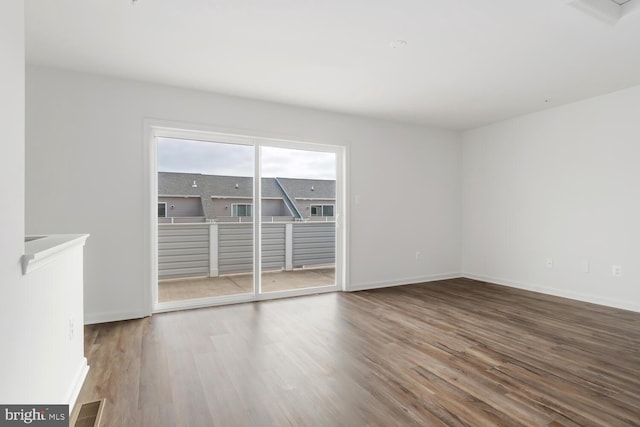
<point x="230" y="198"/>
<point x="312" y="197"/>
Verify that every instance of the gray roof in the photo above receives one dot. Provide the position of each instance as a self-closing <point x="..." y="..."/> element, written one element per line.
<point x="181" y="184"/>
<point x="208" y="186"/>
<point x="309" y="188"/>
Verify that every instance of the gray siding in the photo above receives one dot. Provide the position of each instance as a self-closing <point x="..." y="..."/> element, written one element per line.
<point x="314" y="243"/>
<point x="183" y="250"/>
<point x="274" y="207"/>
<point x="221" y="208"/>
<point x="182" y="206"/>
<point x="273" y="246"/>
<point x="235" y="248"/>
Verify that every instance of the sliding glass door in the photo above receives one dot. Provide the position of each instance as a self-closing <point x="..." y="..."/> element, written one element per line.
<point x="298" y="227"/>
<point x="205" y="219"/>
<point x="242" y="219"/>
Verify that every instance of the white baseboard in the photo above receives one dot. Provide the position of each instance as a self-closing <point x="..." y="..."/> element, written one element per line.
<point x="578" y="296"/>
<point x="114" y="316"/>
<point x="76" y="385"/>
<point x="403" y="281"/>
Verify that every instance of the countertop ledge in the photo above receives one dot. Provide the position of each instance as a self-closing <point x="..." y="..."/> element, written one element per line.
<point x="40" y="250"/>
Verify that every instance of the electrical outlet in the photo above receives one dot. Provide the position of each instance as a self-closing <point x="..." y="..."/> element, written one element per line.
<point x="418" y="254"/>
<point x="616" y="270"/>
<point x="549" y="262"/>
<point x="71" y="329"/>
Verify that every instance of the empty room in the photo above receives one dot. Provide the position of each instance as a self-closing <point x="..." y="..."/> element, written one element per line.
<point x="320" y="213"/>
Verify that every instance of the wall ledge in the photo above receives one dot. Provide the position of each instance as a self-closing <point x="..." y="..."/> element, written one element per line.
<point x="41" y="250"/>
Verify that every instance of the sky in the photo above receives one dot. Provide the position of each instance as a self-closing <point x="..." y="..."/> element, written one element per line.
<point x="212" y="158"/>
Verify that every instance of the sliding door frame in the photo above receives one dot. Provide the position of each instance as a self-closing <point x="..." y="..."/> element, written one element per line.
<point x="156" y="129"/>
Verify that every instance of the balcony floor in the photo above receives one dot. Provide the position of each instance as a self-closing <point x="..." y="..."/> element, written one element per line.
<point x="236" y="284"/>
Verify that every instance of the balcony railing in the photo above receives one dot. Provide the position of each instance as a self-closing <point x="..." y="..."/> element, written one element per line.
<point x="199" y="219"/>
<point x="199" y="248"/>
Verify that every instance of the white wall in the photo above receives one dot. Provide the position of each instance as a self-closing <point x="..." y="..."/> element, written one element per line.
<point x="85" y="150"/>
<point x="13" y="295"/>
<point x="39" y="364"/>
<point x="563" y="184"/>
<point x="51" y="366"/>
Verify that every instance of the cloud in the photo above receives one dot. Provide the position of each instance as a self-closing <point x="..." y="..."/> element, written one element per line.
<point x="287" y="163"/>
<point x="211" y="158"/>
<point x="175" y="155"/>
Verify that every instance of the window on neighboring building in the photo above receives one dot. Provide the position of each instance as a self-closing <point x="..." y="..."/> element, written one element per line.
<point x="239" y="209"/>
<point x="321" y="210"/>
<point x="162" y="209"/>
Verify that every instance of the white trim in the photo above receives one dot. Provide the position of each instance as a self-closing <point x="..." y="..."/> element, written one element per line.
<point x="404" y="281"/>
<point x="257" y="224"/>
<point x="197" y="135"/>
<point x="297" y="292"/>
<point x="163" y="307"/>
<point x="204" y="132"/>
<point x="548" y="290"/>
<point x="307" y="199"/>
<point x="77" y="383"/>
<point x="294" y="144"/>
<point x="44" y="249"/>
<point x="342" y="218"/>
<point x="113" y="316"/>
<point x="179" y="196"/>
<point x="150" y="228"/>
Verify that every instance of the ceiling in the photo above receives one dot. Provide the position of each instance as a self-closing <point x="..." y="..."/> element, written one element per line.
<point x="465" y="63"/>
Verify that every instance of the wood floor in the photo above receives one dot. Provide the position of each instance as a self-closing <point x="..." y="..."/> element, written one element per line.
<point x="454" y="352"/>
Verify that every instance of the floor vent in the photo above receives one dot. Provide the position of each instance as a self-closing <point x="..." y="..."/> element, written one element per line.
<point x="90" y="414"/>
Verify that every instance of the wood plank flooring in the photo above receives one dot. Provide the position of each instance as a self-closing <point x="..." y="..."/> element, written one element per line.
<point x="455" y="353"/>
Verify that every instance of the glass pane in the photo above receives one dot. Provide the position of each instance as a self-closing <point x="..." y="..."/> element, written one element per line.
<point x="243" y="210"/>
<point x="205" y="246"/>
<point x="298" y="243"/>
